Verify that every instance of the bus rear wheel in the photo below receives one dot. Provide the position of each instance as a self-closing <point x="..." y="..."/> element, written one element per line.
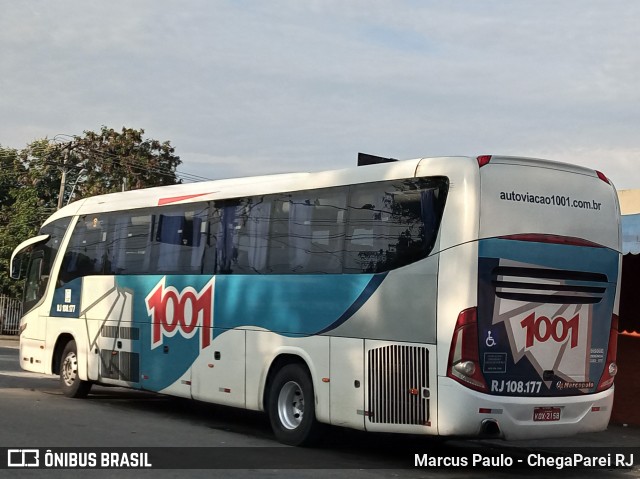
<point x="71" y="384"/>
<point x="291" y="407"/>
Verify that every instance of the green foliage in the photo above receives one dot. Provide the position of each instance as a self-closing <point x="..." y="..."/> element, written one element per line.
<point x="8" y="178"/>
<point x="95" y="163"/>
<point x="113" y="159"/>
<point x="13" y="224"/>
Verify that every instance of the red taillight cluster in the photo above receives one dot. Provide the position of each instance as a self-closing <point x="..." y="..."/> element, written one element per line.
<point x="555" y="239"/>
<point x="464" y="359"/>
<point x="603" y="177"/>
<point x="610" y="367"/>
<point x="483" y="160"/>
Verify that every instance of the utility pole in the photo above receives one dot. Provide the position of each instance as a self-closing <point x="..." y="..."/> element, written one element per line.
<point x="63" y="180"/>
<point x="62" y="185"/>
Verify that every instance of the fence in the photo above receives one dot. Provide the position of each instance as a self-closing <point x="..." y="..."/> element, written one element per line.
<point x="10" y="313"/>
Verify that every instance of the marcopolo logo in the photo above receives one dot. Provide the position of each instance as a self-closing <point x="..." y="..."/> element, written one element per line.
<point x="180" y="312"/>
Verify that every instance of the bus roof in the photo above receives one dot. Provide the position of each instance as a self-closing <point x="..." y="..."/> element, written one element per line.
<point x="540" y="163"/>
<point x="236" y="188"/>
<point x="269" y="184"/>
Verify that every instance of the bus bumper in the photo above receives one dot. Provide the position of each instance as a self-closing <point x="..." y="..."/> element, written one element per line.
<point x="32" y="355"/>
<point x="463" y="411"/>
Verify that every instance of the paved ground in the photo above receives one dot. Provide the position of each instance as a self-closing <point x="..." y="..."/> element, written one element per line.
<point x="616" y="435"/>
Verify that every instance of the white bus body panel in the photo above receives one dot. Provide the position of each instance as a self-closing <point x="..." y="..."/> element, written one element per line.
<point x="517" y="197"/>
<point x="459" y="414"/>
<point x="219" y="373"/>
<point x="263" y="347"/>
<point x="520" y="197"/>
<point x="347" y="382"/>
<point x="33" y="355"/>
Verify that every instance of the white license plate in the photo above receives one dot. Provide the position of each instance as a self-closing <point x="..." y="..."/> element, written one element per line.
<point x="546" y="414"/>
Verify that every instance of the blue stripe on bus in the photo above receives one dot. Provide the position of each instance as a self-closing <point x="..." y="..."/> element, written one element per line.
<point x="371" y="288"/>
<point x="291" y="305"/>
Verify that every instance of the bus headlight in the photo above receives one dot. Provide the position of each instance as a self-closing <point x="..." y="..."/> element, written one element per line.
<point x="613" y="369"/>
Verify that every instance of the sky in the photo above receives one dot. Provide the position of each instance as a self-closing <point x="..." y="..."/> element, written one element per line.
<point x="252" y="87"/>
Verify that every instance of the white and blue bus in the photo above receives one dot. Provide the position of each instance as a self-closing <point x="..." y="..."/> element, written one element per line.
<point x="436" y="296"/>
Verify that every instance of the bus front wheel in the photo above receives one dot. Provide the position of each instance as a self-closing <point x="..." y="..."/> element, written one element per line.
<point x="71" y="384"/>
<point x="292" y="407"/>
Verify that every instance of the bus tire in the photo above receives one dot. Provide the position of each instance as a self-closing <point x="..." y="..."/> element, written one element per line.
<point x="291" y="406"/>
<point x="71" y="384"/>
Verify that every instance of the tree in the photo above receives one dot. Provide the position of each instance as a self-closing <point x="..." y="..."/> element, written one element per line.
<point x="115" y="159"/>
<point x="95" y="163"/>
<point x="12" y="224"/>
<point x="8" y="175"/>
<point x="39" y="169"/>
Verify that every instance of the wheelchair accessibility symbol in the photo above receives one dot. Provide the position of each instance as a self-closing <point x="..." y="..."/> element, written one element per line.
<point x="490" y="342"/>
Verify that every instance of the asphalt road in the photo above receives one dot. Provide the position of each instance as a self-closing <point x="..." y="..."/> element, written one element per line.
<point x="34" y="414"/>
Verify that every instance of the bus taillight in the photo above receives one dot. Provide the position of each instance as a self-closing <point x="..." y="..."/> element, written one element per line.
<point x="602" y="177"/>
<point x="610" y="367"/>
<point x="464" y="360"/>
<point x="554" y="239"/>
<point x="483" y="160"/>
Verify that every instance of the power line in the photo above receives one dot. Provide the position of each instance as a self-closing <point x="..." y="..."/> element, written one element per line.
<point x="136" y="164"/>
<point x="188" y="176"/>
<point x="46" y="147"/>
<point x="139" y="165"/>
<point x="131" y="162"/>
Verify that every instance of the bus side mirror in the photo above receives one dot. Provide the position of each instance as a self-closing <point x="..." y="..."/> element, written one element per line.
<point x="18" y="254"/>
<point x="16" y="266"/>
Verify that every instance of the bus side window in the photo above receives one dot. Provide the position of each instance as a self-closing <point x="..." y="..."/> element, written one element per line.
<point x="307" y="235"/>
<point x="180" y="239"/>
<point x="87" y="250"/>
<point x="242" y="243"/>
<point x="128" y="243"/>
<point x="226" y="247"/>
<point x="212" y="233"/>
<point x="328" y="231"/>
<point x="254" y="237"/>
<point x="392" y="224"/>
<point x="278" y="261"/>
<point x="367" y="245"/>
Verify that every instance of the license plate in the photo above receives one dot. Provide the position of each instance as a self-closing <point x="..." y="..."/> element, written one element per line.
<point x="546" y="414"/>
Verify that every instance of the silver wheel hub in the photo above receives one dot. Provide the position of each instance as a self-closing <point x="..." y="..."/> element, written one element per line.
<point x="69" y="370"/>
<point x="291" y="405"/>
